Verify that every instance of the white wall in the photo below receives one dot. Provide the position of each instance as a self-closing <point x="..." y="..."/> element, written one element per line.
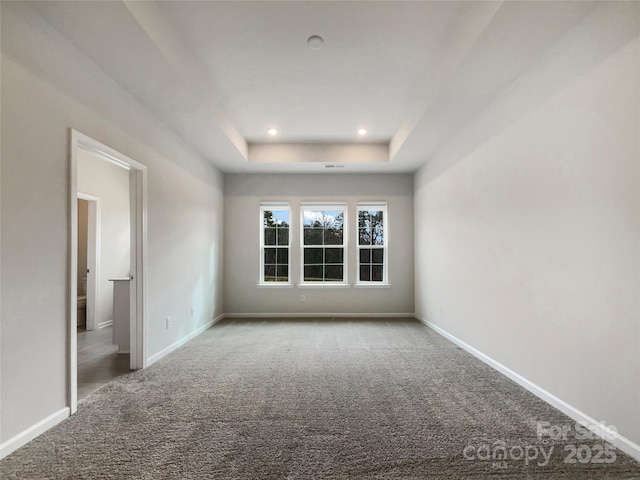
<point x="531" y="241"/>
<point x="48" y="86"/>
<point x="243" y="194"/>
<point x="110" y="183"/>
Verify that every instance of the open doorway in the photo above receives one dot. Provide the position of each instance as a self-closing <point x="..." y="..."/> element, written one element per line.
<point x="87" y="286"/>
<point x="108" y="230"/>
<point x="103" y="270"/>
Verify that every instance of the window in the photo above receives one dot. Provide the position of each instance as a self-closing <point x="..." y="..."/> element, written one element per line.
<point x="274" y="244"/>
<point x="372" y="243"/>
<point x="323" y="241"/>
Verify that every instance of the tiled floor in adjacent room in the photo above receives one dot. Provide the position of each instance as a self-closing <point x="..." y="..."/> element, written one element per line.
<point x="98" y="360"/>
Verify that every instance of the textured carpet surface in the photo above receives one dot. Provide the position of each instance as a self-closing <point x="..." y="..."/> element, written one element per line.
<point x="317" y="399"/>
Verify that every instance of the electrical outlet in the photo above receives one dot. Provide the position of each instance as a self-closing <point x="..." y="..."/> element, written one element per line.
<point x="303" y="298"/>
<point x="168" y="323"/>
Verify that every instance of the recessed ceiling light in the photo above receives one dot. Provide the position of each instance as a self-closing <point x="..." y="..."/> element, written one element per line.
<point x="362" y="131"/>
<point x="315" y="42"/>
<point x="272" y="131"/>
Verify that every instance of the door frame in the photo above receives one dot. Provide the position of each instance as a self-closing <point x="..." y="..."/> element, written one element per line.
<point x="138" y="247"/>
<point x="93" y="258"/>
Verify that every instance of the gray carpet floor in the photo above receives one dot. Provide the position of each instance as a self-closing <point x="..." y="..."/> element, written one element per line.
<point x="315" y="399"/>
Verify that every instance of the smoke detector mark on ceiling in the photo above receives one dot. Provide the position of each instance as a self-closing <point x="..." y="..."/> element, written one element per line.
<point x="315" y="42"/>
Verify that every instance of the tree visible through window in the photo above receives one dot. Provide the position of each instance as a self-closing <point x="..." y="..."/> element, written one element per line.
<point x="275" y="244"/>
<point x="323" y="244"/>
<point x="371" y="243"/>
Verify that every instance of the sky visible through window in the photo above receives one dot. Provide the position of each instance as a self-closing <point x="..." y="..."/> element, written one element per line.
<point x="323" y="241"/>
<point x="276" y="245"/>
<point x="371" y="245"/>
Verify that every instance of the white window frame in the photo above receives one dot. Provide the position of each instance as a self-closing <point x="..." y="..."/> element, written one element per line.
<point x="345" y="242"/>
<point x="279" y="207"/>
<point x="379" y="206"/>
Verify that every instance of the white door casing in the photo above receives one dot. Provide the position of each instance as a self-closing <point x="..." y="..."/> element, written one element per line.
<point x="138" y="210"/>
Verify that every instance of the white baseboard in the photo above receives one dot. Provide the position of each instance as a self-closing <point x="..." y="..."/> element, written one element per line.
<point x="33" y="431"/>
<point x="154" y="358"/>
<point x="106" y="323"/>
<point x="319" y="315"/>
<point x="619" y="441"/>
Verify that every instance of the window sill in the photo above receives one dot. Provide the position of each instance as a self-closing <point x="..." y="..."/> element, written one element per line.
<point x="371" y="285"/>
<point x="275" y="285"/>
<point x="323" y="285"/>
